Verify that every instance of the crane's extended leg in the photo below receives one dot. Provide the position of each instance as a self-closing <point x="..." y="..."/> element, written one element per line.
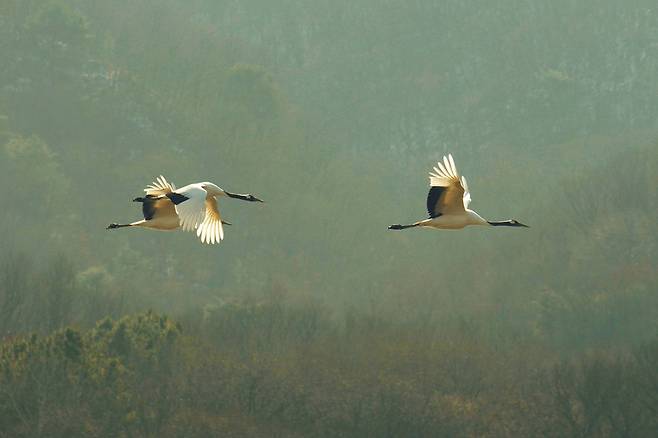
<point x="402" y="227"/>
<point x="113" y="226"/>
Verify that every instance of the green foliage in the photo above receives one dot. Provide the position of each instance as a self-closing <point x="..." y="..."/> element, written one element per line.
<point x="140" y="376"/>
<point x="74" y="382"/>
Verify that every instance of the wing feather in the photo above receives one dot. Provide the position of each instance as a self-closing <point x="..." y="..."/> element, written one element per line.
<point x="467" y="193"/>
<point x="210" y="230"/>
<point x="446" y="163"/>
<point x="191" y="210"/>
<point x="452" y="166"/>
<point x="160" y="187"/>
<point x="448" y="193"/>
<point x="444" y="170"/>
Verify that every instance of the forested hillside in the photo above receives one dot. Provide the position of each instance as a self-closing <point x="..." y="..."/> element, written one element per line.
<point x="311" y="318"/>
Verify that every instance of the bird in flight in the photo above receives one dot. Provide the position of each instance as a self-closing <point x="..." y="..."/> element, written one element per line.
<point x="193" y="207"/>
<point x="448" y="200"/>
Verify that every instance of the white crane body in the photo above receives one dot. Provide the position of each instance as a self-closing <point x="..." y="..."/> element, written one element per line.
<point x="454" y="221"/>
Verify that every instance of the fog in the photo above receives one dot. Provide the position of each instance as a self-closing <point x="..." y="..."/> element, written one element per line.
<point x="311" y="318"/>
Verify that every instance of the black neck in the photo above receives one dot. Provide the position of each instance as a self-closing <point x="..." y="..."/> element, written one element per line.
<point x="502" y="223"/>
<point x="247" y="197"/>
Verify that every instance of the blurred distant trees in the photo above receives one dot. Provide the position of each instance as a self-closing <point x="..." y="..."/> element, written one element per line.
<point x="250" y="93"/>
<point x="142" y="374"/>
<point x="604" y="395"/>
<point x="79" y="383"/>
<point x="45" y="188"/>
<point x="330" y="113"/>
<point x="331" y="107"/>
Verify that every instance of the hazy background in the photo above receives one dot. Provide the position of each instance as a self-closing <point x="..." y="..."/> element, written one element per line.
<point x="333" y="112"/>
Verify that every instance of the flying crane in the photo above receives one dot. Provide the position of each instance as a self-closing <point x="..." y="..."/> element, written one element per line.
<point x="448" y="200"/>
<point x="193" y="207"/>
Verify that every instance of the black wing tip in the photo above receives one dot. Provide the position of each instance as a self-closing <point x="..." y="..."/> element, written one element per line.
<point x="176" y="198"/>
<point x="433" y="196"/>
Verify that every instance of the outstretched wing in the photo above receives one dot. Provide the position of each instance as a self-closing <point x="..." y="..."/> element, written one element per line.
<point x="467" y="193"/>
<point x="159" y="187"/>
<point x="211" y="230"/>
<point x="448" y="193"/>
<point x="190" y="203"/>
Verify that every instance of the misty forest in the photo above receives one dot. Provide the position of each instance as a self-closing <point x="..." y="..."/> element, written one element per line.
<point x="311" y="319"/>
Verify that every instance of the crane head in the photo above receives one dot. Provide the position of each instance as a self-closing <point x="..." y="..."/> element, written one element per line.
<point x="515" y="223"/>
<point x="508" y="223"/>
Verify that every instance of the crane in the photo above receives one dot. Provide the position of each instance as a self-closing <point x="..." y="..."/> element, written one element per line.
<point x="192" y="207"/>
<point x="448" y="200"/>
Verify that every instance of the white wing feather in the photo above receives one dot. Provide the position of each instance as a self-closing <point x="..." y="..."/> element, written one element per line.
<point x="453" y="168"/>
<point x="191" y="211"/>
<point x="446" y="174"/>
<point x="211" y="231"/>
<point x="160" y="187"/>
<point x="467" y="193"/>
